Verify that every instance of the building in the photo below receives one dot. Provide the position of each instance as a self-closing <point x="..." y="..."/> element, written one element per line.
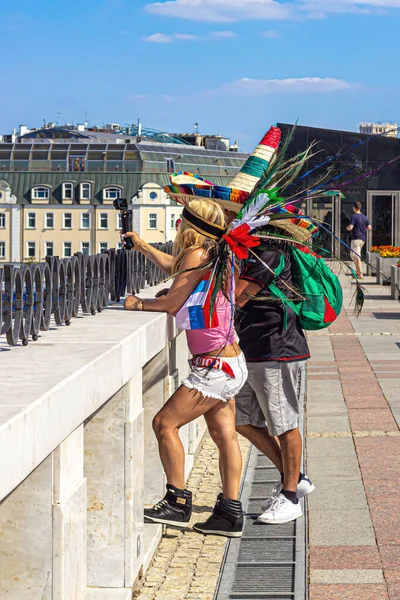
<point x="386" y="129"/>
<point x="379" y="193"/>
<point x="64" y="180"/>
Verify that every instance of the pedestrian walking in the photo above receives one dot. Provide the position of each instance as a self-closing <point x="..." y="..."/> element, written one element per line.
<point x="275" y="348"/>
<point x="358" y="227"/>
<point x="203" y="276"/>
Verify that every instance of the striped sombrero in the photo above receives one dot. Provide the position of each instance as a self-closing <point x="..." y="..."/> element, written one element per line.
<point x="290" y="219"/>
<point x="186" y="186"/>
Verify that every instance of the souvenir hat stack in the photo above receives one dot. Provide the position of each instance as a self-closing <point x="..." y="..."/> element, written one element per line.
<point x="293" y="223"/>
<point x="186" y="186"/>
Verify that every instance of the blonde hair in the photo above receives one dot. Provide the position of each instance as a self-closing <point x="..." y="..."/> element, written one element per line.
<point x="188" y="239"/>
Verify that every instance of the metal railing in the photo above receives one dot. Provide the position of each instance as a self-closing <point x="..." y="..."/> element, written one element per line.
<point x="31" y="295"/>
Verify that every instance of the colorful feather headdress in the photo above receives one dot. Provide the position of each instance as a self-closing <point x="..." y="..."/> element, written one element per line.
<point x="254" y="191"/>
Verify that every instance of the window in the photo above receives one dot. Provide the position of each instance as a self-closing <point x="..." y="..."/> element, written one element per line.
<point x="85" y="191"/>
<point x="40" y="193"/>
<point x="31" y="249"/>
<point x="67" y="249"/>
<point x="119" y="246"/>
<point x="119" y="221"/>
<point x="111" y="193"/>
<point x="173" y="221"/>
<point x="49" y="219"/>
<point x="85" y="221"/>
<point x="170" y="165"/>
<point x="103" y="247"/>
<point x="103" y="221"/>
<point x="31" y="220"/>
<point x="85" y="248"/>
<point x="67" y="191"/>
<point x="49" y="249"/>
<point x="2" y="220"/>
<point x="67" y="221"/>
<point x="2" y="249"/>
<point x="152" y="221"/>
<point x="153" y="195"/>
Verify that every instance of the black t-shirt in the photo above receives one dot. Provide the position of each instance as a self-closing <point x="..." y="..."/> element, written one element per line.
<point x="360" y="224"/>
<point x="260" y="324"/>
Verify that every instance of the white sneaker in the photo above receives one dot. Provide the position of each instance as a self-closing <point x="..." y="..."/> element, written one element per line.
<point x="281" y="510"/>
<point x="304" y="487"/>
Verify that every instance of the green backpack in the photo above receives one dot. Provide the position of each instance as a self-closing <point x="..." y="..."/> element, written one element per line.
<point x="320" y="288"/>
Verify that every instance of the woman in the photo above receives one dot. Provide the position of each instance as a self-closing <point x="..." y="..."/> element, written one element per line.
<point x="218" y="369"/>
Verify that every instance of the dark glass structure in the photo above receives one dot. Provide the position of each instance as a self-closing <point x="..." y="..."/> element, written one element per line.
<point x="354" y="154"/>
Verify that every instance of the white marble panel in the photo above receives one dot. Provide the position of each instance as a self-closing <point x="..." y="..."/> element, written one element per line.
<point x="69" y="546"/>
<point x="68" y="465"/>
<point x="26" y="538"/>
<point x="105" y="472"/>
<point x="154" y="374"/>
<point x="134" y="485"/>
<point x="134" y="402"/>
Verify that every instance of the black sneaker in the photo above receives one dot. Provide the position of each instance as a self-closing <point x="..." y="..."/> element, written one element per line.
<point x="226" y="519"/>
<point x="174" y="509"/>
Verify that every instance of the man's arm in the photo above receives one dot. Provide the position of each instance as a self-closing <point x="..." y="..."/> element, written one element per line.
<point x="258" y="275"/>
<point x="244" y="292"/>
<point x="350" y="227"/>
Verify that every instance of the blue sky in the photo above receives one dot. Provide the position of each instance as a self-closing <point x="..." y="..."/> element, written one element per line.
<point x="233" y="66"/>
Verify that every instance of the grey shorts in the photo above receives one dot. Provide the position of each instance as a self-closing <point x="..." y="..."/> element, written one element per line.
<point x="269" y="396"/>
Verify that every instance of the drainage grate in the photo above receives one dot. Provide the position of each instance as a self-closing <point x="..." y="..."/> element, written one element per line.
<point x="280" y="550"/>
<point x="269" y="561"/>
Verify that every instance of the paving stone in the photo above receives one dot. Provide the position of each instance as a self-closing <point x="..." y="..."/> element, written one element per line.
<point x="345" y="493"/>
<point x="348" y="592"/>
<point x="365" y="419"/>
<point x="327" y="423"/>
<point x="341" y="528"/>
<point x="344" y="557"/>
<point x="346" y="576"/>
<point x="390" y="556"/>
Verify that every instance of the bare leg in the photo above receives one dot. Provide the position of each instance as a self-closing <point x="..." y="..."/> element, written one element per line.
<point x="264" y="442"/>
<point x="221" y="425"/>
<point x="291" y="446"/>
<point x="184" y="406"/>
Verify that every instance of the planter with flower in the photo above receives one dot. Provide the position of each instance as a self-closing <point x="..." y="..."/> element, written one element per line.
<point x="385" y="257"/>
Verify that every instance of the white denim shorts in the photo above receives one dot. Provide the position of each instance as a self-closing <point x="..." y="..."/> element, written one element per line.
<point x="222" y="381"/>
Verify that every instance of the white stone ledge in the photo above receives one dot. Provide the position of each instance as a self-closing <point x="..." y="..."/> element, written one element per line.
<point x="52" y="386"/>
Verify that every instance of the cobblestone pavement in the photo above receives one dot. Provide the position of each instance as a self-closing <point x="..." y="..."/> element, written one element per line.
<point x="186" y="565"/>
<point x="353" y="451"/>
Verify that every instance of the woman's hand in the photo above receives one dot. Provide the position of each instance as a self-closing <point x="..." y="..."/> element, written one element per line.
<point x="131" y="302"/>
<point x="136" y="239"/>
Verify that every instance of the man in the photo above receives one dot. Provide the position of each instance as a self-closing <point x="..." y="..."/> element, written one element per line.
<point x="275" y="349"/>
<point x="359" y="225"/>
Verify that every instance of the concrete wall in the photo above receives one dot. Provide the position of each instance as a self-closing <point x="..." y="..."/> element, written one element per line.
<point x="78" y="456"/>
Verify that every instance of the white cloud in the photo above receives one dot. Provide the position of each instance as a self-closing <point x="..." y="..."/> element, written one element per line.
<point x="164" y="38"/>
<point x="138" y="97"/>
<point x="292" y="85"/>
<point x="185" y="37"/>
<point x="158" y="38"/>
<point x="168" y="99"/>
<point x="223" y="34"/>
<point x="226" y="11"/>
<point x="222" y="11"/>
<point x="271" y="34"/>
